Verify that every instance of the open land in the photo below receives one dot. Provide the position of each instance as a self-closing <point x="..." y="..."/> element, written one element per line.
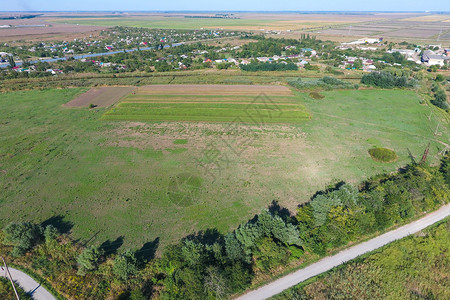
<point x="411" y="26"/>
<point x="146" y="180"/>
<point x="245" y="21"/>
<point x="333" y="26"/>
<point x="39" y="29"/>
<point x="100" y="97"/>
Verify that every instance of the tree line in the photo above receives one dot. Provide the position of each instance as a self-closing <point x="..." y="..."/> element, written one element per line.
<point x="269" y="66"/>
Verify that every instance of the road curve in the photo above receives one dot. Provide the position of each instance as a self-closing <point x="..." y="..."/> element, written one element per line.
<point x="28" y="284"/>
<point x="330" y="262"/>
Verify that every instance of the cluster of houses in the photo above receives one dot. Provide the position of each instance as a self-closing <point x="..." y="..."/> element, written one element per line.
<point x="262" y="59"/>
<point x="429" y="57"/>
<point x="349" y="63"/>
<point x="32" y="68"/>
<point x="104" y="64"/>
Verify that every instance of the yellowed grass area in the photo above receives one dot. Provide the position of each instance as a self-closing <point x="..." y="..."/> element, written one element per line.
<point x="430" y="18"/>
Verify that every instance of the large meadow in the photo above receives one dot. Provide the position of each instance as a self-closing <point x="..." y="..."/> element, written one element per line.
<point x="161" y="164"/>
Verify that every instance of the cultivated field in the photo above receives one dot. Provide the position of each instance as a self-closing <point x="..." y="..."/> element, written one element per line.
<point x="33" y="30"/>
<point x="100" y="97"/>
<point x="213" y="103"/>
<point x="164" y="180"/>
<point x="245" y="21"/>
<point x="410" y="29"/>
<point x="417" y="26"/>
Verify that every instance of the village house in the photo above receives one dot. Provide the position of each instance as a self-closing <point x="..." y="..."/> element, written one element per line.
<point x="364" y="41"/>
<point x="431" y="58"/>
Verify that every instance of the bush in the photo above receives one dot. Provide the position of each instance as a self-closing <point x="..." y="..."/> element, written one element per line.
<point x="23" y="236"/>
<point x="439" y="78"/>
<point x="88" y="260"/>
<point x="125" y="266"/>
<point x="383" y="154"/>
<point x="311" y="67"/>
<point x="327" y="83"/>
<point x="440" y="100"/>
<point x="316" y="95"/>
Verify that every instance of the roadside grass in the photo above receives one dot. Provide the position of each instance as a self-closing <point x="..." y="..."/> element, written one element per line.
<point x="116" y="178"/>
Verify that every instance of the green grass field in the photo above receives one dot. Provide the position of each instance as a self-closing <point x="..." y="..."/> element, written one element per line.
<point x="170" y="22"/>
<point x="148" y="180"/>
<point x="211" y="108"/>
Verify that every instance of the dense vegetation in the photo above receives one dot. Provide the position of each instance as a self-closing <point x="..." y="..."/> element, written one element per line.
<point x="276" y="46"/>
<point x="382" y="154"/>
<point x="440" y="99"/>
<point x="415" y="267"/>
<point x="269" y="66"/>
<point x="7" y="292"/>
<point x="209" y="265"/>
<point x="326" y="83"/>
<point x="387" y="80"/>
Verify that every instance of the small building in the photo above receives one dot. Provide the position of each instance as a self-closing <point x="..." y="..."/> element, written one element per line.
<point x="432" y="59"/>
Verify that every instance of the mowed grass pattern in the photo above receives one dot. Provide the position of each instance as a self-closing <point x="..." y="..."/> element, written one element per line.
<point x="275" y="106"/>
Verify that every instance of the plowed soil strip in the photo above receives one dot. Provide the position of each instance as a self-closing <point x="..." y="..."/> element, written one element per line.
<point x="101" y="97"/>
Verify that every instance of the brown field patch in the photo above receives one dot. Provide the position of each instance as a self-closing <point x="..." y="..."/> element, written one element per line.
<point x="417" y="33"/>
<point x="49" y="31"/>
<point x="213" y="89"/>
<point x="430" y="18"/>
<point x="101" y="97"/>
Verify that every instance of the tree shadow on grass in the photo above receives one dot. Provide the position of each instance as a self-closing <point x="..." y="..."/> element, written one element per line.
<point x="59" y="223"/>
<point x="206" y="237"/>
<point x="276" y="210"/>
<point x="111" y="247"/>
<point x="148" y="250"/>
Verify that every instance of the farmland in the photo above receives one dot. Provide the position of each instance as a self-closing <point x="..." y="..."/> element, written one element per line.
<point x="39" y="29"/>
<point x="150" y="181"/>
<point x="101" y="97"/>
<point x="246" y="21"/>
<point x="213" y="103"/>
<point x="413" y="26"/>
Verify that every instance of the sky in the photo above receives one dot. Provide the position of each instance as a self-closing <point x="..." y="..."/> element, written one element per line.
<point x="225" y="5"/>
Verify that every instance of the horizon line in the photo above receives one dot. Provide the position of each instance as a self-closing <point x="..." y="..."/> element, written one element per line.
<point x="240" y="11"/>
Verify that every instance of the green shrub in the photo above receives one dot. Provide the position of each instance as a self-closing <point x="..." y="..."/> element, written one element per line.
<point x="316" y="95"/>
<point x="327" y="83"/>
<point x="383" y="154"/>
<point x="23" y="236"/>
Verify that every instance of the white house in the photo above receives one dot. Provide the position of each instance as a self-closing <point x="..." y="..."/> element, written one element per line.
<point x="432" y="59"/>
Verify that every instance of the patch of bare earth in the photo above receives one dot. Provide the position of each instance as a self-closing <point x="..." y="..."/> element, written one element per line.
<point x="101" y="97"/>
<point x="40" y="29"/>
